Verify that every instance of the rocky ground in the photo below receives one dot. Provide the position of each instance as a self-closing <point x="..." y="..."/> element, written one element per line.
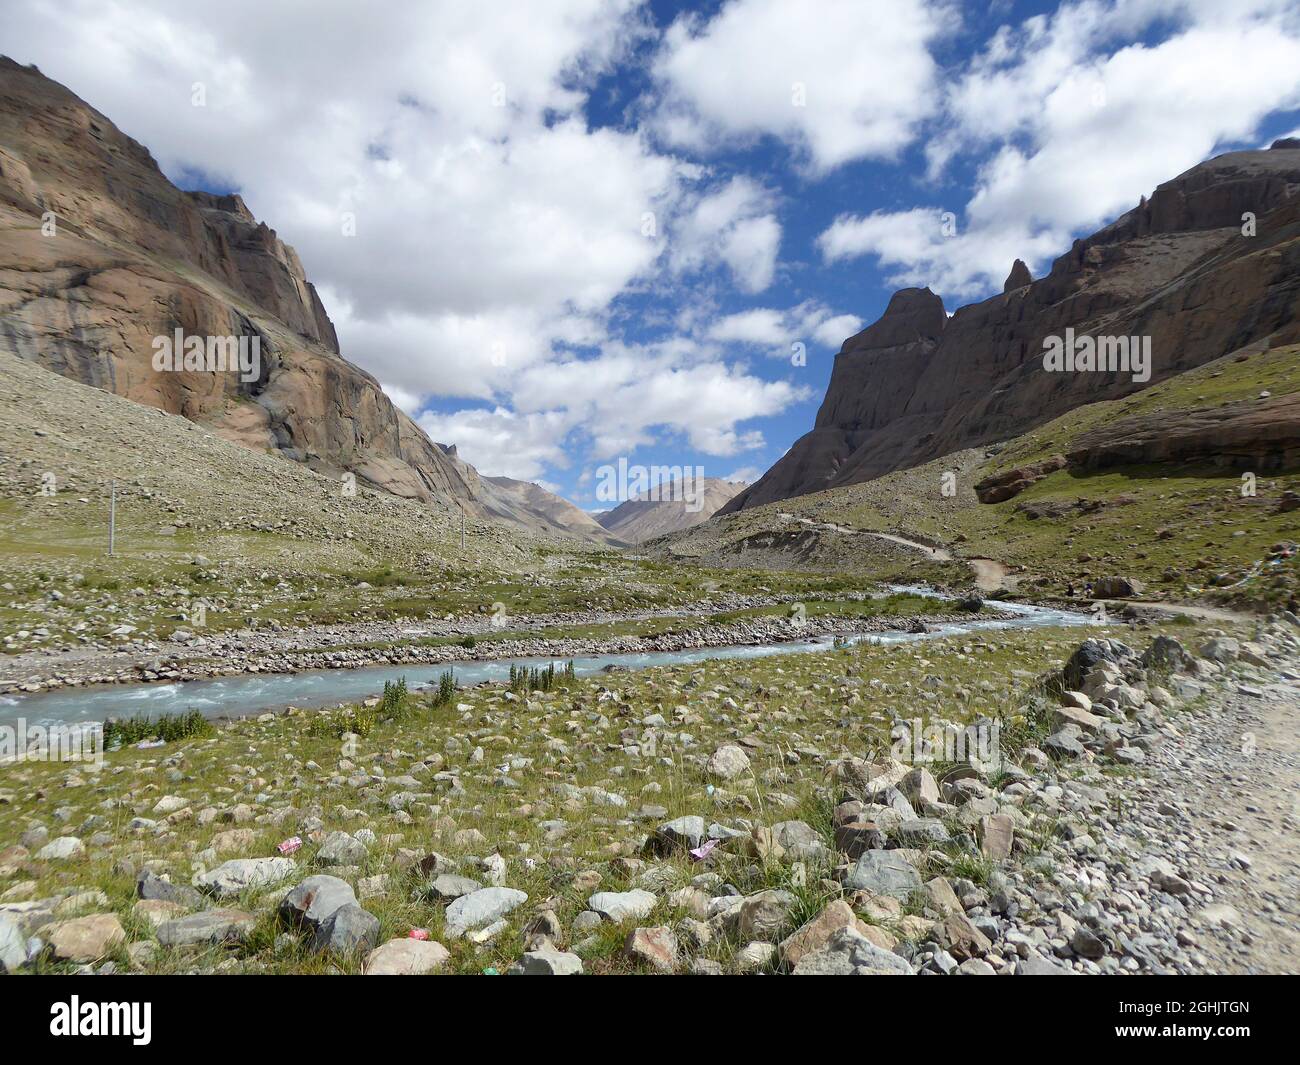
<point x="767" y="816"/>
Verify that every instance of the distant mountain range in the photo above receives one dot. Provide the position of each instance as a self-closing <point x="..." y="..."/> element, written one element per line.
<point x="642" y="519"/>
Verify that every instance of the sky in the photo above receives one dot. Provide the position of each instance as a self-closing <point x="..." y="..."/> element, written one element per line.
<point x="565" y="232"/>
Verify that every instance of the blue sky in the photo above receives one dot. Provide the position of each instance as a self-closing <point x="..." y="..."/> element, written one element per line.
<point x="585" y="230"/>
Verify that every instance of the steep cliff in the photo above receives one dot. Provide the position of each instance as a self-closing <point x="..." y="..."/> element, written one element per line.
<point x="100" y="254"/>
<point x="1183" y="268"/>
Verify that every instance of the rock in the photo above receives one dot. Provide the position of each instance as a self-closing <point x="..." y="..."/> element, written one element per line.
<point x="854" y="838"/>
<point x="620" y="906"/>
<point x="1037" y="965"/>
<point x="347" y="929"/>
<point x="755" y="956"/>
<point x="13" y="946"/>
<point x="1221" y="649"/>
<point x="1064" y="743"/>
<point x="1166" y="653"/>
<point x="941" y="897"/>
<point x="962" y="939"/>
<point x="481" y="908"/>
<point x="339" y="848"/>
<point x="1000" y="487"/>
<point x="685" y="833"/>
<point x="920" y="787"/>
<point x="310" y="904"/>
<point x="234" y="840"/>
<point x="765" y="915"/>
<point x="547" y="961"/>
<point x="85" y="939"/>
<point x="406" y="957"/>
<point x="1088" y="655"/>
<point x="169" y="804"/>
<point x="450" y="886"/>
<point x="1018" y="278"/>
<point x="1087" y="944"/>
<point x="245" y="874"/>
<point x="656" y="947"/>
<point x="157" y="911"/>
<point x="922" y="832"/>
<point x="728" y="762"/>
<point x="884" y="873"/>
<point x="1065" y="716"/>
<point x="849" y="953"/>
<point x="815" y="934"/>
<point x="996" y="833"/>
<point x="148" y="886"/>
<point x="208" y="928"/>
<point x="800" y="841"/>
<point x="61" y="849"/>
<point x="1118" y="588"/>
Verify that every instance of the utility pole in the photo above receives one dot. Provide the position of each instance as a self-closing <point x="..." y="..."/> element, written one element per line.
<point x="462" y="528"/>
<point x="112" y="520"/>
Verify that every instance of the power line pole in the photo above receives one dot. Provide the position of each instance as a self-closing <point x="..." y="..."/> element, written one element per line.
<point x="462" y="528"/>
<point x="112" y="520"/>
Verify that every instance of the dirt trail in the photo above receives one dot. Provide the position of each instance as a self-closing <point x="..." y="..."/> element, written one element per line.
<point x="990" y="575"/>
<point x="1207" y="613"/>
<point x="1225" y="798"/>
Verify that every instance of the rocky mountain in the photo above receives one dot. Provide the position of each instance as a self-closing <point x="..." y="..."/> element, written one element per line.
<point x="528" y="504"/>
<point x="100" y="255"/>
<point x="644" y="519"/>
<point x="1208" y="265"/>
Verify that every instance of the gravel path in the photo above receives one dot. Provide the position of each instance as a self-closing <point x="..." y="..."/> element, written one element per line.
<point x="1226" y="799"/>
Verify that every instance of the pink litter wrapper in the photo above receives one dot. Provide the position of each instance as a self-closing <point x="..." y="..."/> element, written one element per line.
<point x="704" y="850"/>
<point x="289" y="845"/>
<point x="418" y="933"/>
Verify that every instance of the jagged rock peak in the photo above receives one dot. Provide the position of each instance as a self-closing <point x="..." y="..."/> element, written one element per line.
<point x="1018" y="278"/>
<point x="913" y="314"/>
<point x="1285" y="144"/>
<point x="912" y="301"/>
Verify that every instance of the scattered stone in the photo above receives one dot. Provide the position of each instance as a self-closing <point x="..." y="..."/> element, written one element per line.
<point x="406" y="957"/>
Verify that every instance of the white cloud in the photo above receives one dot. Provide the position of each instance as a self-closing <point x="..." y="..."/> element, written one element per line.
<point x="744" y="475"/>
<point x="490" y="241"/>
<point x="1082" y="118"/>
<point x="775" y="331"/>
<point x="502" y="443"/>
<point x="733" y="224"/>
<point x="838" y="80"/>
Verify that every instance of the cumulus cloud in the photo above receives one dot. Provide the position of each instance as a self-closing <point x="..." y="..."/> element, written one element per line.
<point x="1082" y="115"/>
<point x="839" y="80"/>
<point x="774" y="331"/>
<point x="467" y="227"/>
<point x="733" y="224"/>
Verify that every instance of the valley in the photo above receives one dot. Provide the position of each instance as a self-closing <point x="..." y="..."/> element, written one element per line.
<point x="994" y="672"/>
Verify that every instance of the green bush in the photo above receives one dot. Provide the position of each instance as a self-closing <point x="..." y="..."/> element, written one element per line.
<point x="166" y="727"/>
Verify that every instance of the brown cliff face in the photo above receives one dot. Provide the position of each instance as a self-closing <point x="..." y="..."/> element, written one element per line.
<point x="132" y="258"/>
<point x="1178" y="269"/>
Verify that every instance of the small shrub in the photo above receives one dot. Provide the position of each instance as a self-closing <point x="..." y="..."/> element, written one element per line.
<point x="165" y="727"/>
<point x="393" y="703"/>
<point x="524" y="680"/>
